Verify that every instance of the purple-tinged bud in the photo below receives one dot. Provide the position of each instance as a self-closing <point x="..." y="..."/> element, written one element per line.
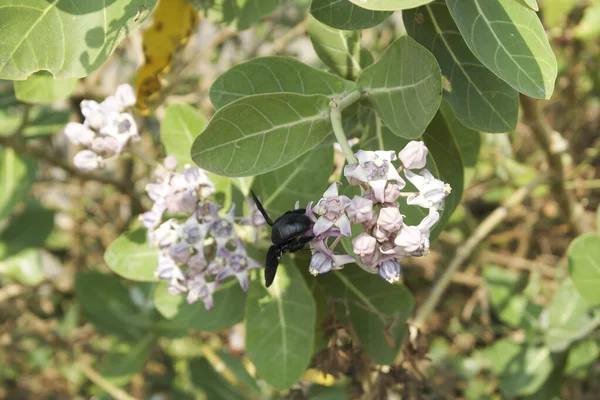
<point x="93" y="113"/>
<point x="390" y="271"/>
<point x="360" y="210"/>
<point x="87" y="160"/>
<point x="390" y="219"/>
<point x="392" y="192"/>
<point x="320" y="263"/>
<point x="380" y="234"/>
<point x="371" y="260"/>
<point x="414" y="155"/>
<point x="107" y="145"/>
<point x="79" y="134"/>
<point x="182" y="202"/>
<point x="364" y="244"/>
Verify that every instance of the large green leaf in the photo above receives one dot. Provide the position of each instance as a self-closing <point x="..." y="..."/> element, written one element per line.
<point x="124" y="360"/>
<point x="178" y="129"/>
<point x="338" y="49"/>
<point x="404" y="86"/>
<point x="30" y="229"/>
<point x="212" y="383"/>
<point x="68" y="38"/>
<point x="17" y="173"/>
<point x="378" y="310"/>
<point x="584" y="267"/>
<point x="41" y="87"/>
<point x="468" y="140"/>
<point x="241" y="14"/>
<point x="107" y="303"/>
<point x="280" y="326"/>
<point x="527" y="372"/>
<point x="342" y="14"/>
<point x="274" y="75"/>
<point x="305" y="180"/>
<point x="229" y="300"/>
<point x="480" y="99"/>
<point x="389" y="4"/>
<point x="42" y="121"/>
<point x="257" y="134"/>
<point x="581" y="357"/>
<point x="509" y="39"/>
<point x="131" y="256"/>
<point x="569" y="318"/>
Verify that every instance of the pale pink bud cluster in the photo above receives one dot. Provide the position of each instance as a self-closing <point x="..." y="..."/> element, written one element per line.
<point x="193" y="239"/>
<point x="385" y="239"/>
<point x="106" y="129"/>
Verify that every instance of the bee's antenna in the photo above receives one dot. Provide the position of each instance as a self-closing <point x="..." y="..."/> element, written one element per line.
<point x="261" y="209"/>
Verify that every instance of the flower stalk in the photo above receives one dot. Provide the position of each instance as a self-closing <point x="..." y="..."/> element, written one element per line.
<point x="336" y="122"/>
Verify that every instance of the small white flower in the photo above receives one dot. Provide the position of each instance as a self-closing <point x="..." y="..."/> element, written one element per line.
<point x="414" y="155"/>
<point x="331" y="209"/>
<point x="87" y="160"/>
<point x="432" y="191"/>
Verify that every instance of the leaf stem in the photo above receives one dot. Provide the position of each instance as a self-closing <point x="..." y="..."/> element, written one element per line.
<point x="337" y="106"/>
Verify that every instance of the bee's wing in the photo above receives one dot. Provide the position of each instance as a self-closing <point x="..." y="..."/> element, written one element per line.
<point x="273" y="257"/>
<point x="261" y="209"/>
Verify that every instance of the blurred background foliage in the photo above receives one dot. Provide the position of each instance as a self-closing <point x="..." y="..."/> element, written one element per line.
<point x="512" y="324"/>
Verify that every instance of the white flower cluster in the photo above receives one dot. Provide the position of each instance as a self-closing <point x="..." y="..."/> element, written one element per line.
<point x="385" y="239"/>
<point x="198" y="248"/>
<point x="106" y="129"/>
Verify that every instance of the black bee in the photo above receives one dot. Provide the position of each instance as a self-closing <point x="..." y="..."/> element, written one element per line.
<point x="287" y="234"/>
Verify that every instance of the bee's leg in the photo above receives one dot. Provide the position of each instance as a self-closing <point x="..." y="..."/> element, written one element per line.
<point x="298" y="243"/>
<point x="273" y="257"/>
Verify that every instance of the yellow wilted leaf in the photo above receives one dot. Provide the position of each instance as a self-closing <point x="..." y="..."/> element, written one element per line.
<point x="174" y="21"/>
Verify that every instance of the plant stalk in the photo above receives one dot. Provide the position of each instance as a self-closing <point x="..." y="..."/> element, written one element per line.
<point x="336" y="122"/>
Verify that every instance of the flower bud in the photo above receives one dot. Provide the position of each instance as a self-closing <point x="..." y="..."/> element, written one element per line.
<point x="79" y="134"/>
<point x="390" y="219"/>
<point x="364" y="244"/>
<point x="414" y="155"/>
<point x="170" y="163"/>
<point x="390" y="271"/>
<point x="86" y="160"/>
<point x="409" y="239"/>
<point x="320" y="263"/>
<point x="360" y="210"/>
<point x="125" y="95"/>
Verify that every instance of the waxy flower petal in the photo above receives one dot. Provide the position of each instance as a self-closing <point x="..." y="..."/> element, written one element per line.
<point x="414" y="155"/>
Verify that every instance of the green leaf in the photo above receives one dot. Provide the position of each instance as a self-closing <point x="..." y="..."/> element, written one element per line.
<point x="342" y="14"/>
<point x="240" y="13"/>
<point x="589" y="26"/>
<point x="499" y="355"/>
<point x="569" y="318"/>
<point x="378" y="310"/>
<point x="41" y="87"/>
<point x="131" y="257"/>
<point x="17" y="174"/>
<point x="274" y="75"/>
<point x="106" y="302"/>
<point x="443" y="148"/>
<point x="124" y="360"/>
<point x="166" y="304"/>
<point x="235" y="365"/>
<point x="70" y="39"/>
<point x="178" y="129"/>
<point x="280" y="326"/>
<point x="584" y="267"/>
<point x="338" y="49"/>
<point x="389" y="4"/>
<point x="526" y="372"/>
<point x="257" y="134"/>
<point x="318" y="392"/>
<point x="43" y="120"/>
<point x="26" y="230"/>
<point x="24" y="267"/>
<point x="303" y="180"/>
<point x="598" y="219"/>
<point x="480" y="99"/>
<point x="581" y="357"/>
<point x="557" y="11"/>
<point x="531" y="4"/>
<point x="509" y="39"/>
<point x="212" y="383"/>
<point x="404" y="87"/>
<point x="228" y="310"/>
<point x="468" y="140"/>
